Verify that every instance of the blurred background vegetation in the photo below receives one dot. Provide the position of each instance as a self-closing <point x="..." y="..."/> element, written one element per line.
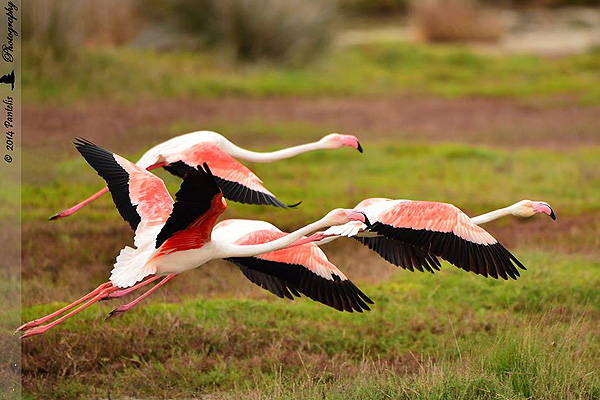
<point x="477" y="103"/>
<point x="292" y="47"/>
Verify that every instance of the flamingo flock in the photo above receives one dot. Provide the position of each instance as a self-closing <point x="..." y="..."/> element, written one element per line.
<point x="174" y="236"/>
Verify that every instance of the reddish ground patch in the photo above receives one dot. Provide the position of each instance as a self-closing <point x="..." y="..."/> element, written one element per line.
<point x="470" y="120"/>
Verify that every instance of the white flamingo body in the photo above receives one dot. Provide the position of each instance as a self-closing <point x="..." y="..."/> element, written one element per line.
<point x="234" y="231"/>
<point x="169" y="150"/>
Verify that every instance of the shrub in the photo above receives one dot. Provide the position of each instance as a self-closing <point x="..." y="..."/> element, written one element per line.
<point x="374" y="7"/>
<point x="64" y="25"/>
<point x="291" y="29"/>
<point x="48" y="29"/>
<point x="454" y="20"/>
<point x="253" y="29"/>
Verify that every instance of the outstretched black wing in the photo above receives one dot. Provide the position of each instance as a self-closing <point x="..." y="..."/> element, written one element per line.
<point x="138" y="194"/>
<point x="484" y="259"/>
<point x="401" y="254"/>
<point x="194" y="199"/>
<point x="233" y="191"/>
<point x="285" y="280"/>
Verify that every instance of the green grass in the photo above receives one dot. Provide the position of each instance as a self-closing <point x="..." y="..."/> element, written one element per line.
<point x="366" y="70"/>
<point x="448" y="336"/>
<point x="454" y="335"/>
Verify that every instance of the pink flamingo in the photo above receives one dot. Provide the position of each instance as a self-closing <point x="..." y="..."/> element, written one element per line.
<point x="173" y="237"/>
<point x="413" y="234"/>
<point x="238" y="183"/>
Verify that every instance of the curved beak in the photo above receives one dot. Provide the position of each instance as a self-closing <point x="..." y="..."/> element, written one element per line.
<point x="543" y="207"/>
<point x="359" y="147"/>
<point x="359" y="216"/>
<point x="366" y="221"/>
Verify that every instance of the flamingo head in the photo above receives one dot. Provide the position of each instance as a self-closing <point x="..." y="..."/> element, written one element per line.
<point x="336" y="140"/>
<point x="527" y="208"/>
<point x="341" y="216"/>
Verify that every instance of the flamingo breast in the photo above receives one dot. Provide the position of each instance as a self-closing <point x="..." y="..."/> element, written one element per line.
<point x="185" y="260"/>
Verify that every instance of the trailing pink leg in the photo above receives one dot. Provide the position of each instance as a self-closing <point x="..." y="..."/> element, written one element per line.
<point x="87" y="201"/>
<point x="124" y="292"/>
<point x="120" y="310"/>
<point x="39" y="321"/>
<point x="75" y="208"/>
<point x="43" y="328"/>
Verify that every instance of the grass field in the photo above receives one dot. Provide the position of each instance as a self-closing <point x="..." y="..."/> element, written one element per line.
<point x="365" y="70"/>
<point x="451" y="335"/>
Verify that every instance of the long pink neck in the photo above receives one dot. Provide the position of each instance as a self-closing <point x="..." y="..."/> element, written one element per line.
<point x="491" y="216"/>
<point x="233" y="250"/>
<point x="252" y="156"/>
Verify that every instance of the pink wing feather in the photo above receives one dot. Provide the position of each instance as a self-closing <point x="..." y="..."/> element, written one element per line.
<point x="438" y="217"/>
<point x="237" y="182"/>
<point x="148" y="193"/>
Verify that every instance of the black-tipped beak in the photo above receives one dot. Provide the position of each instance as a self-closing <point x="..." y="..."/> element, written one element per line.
<point x="359" y="147"/>
<point x="294" y="205"/>
<point x="552" y="215"/>
<point x="367" y="222"/>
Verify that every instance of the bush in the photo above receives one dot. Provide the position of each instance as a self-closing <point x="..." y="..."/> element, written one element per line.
<point x="454" y="20"/>
<point x="63" y="25"/>
<point x="48" y="29"/>
<point x="253" y="29"/>
<point x="374" y="7"/>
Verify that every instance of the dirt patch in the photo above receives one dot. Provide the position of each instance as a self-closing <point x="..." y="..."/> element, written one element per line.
<point x="495" y="122"/>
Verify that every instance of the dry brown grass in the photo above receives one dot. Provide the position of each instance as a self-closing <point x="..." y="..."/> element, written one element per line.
<point x="454" y="21"/>
<point x="110" y="22"/>
<point x="63" y="25"/>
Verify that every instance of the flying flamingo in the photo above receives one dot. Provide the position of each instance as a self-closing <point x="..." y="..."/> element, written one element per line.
<point x="413" y="234"/>
<point x="238" y="183"/>
<point x="175" y="236"/>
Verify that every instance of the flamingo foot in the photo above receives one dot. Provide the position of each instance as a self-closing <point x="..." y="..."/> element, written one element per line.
<point x="28" y="325"/>
<point x="114" y="295"/>
<point x="116" y="312"/>
<point x="35" y="331"/>
<point x="72" y="210"/>
<point x="60" y="215"/>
